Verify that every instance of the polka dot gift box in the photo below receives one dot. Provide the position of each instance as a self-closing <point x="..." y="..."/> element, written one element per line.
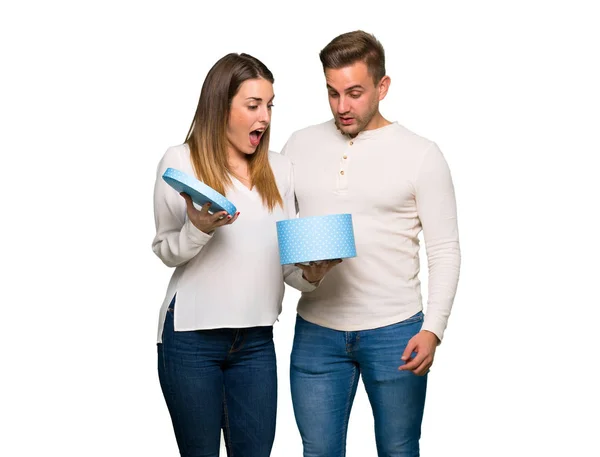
<point x="308" y="239"/>
<point x="199" y="192"/>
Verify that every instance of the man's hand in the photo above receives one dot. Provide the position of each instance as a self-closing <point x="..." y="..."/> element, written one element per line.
<point x="315" y="271"/>
<point x="424" y="344"/>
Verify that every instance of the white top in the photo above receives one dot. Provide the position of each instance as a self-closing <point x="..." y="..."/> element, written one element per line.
<point x="231" y="278"/>
<point x="394" y="183"/>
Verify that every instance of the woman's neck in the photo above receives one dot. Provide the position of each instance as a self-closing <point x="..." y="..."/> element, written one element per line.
<point x="239" y="167"/>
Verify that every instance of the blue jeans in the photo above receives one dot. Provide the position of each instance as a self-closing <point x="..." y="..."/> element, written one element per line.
<point x="223" y="378"/>
<point x="324" y="371"/>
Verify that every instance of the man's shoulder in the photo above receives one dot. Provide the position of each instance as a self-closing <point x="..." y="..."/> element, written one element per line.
<point x="314" y="131"/>
<point x="411" y="139"/>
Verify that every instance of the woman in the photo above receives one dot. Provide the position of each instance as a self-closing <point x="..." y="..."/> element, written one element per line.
<point x="216" y="359"/>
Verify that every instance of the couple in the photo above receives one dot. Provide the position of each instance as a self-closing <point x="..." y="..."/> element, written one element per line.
<point x="361" y="318"/>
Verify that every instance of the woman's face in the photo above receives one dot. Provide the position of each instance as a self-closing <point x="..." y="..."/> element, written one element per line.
<point x="249" y="116"/>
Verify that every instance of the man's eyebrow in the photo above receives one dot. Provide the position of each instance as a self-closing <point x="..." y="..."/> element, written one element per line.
<point x="349" y="89"/>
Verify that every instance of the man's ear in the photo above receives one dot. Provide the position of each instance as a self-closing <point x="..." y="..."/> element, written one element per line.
<point x="384" y="86"/>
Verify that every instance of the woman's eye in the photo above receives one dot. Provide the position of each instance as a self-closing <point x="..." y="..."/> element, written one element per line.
<point x="252" y="107"/>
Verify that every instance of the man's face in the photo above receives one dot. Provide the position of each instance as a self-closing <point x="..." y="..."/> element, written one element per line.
<point x="353" y="97"/>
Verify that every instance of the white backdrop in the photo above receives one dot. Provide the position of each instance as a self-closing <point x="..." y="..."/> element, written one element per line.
<point x="93" y="93"/>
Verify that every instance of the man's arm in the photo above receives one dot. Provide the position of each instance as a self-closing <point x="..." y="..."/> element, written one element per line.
<point x="436" y="208"/>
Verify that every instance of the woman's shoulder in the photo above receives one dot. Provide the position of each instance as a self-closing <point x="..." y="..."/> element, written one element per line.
<point x="281" y="165"/>
<point x="178" y="152"/>
<point x="278" y="160"/>
<point x="176" y="157"/>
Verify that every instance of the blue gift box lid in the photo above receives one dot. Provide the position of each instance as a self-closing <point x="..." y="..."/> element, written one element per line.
<point x="199" y="192"/>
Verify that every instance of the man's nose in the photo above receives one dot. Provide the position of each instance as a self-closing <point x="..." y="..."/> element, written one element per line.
<point x="343" y="105"/>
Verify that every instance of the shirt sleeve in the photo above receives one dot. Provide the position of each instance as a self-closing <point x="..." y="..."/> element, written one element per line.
<point x="292" y="275"/>
<point x="436" y="207"/>
<point x="177" y="240"/>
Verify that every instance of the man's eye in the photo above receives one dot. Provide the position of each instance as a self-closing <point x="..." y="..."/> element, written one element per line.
<point x="355" y="95"/>
<point x="333" y="95"/>
<point x="270" y="106"/>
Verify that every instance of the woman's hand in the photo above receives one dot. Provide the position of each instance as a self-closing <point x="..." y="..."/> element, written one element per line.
<point x="205" y="221"/>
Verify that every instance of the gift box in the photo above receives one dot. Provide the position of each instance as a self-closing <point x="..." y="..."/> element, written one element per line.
<point x="308" y="239"/>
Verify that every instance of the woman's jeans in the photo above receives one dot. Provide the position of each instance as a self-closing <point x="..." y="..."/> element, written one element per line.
<point x="220" y="379"/>
<point x="325" y="367"/>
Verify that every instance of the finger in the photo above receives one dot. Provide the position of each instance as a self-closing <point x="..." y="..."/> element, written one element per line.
<point x="410" y="348"/>
<point x="190" y="208"/>
<point x="233" y="219"/>
<point x="413" y="363"/>
<point x="332" y="264"/>
<point x="221" y="222"/>
<point x="205" y="208"/>
<point x="423" y="368"/>
<point x="307" y="270"/>
<point x="188" y="200"/>
<point x="329" y="264"/>
<point x="219" y="216"/>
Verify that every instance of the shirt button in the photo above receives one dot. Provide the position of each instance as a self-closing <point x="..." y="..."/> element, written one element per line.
<point x="342" y="172"/>
<point x="351" y="143"/>
<point x="345" y="157"/>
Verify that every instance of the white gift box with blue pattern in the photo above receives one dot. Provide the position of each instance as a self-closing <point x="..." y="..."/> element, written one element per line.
<point x="314" y="238"/>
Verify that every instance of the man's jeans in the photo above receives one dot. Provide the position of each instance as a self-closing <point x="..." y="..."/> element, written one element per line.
<point x="324" y="371"/>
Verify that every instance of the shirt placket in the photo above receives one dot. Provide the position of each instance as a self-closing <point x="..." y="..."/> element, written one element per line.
<point x="344" y="167"/>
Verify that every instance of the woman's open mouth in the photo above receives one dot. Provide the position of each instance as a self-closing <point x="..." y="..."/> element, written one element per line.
<point x="255" y="137"/>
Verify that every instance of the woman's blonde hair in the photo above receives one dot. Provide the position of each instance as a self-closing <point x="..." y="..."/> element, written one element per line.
<point x="207" y="136"/>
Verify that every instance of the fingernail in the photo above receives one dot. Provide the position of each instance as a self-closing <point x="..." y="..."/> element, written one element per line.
<point x="228" y="217"/>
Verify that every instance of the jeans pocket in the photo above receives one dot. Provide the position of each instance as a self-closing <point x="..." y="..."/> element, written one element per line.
<point x="416" y="318"/>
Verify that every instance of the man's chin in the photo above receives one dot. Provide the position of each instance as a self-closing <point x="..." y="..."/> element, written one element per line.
<point x="351" y="129"/>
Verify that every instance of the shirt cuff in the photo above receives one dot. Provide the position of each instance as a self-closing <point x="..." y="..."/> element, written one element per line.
<point x="194" y="234"/>
<point x="297" y="281"/>
<point x="435" y="326"/>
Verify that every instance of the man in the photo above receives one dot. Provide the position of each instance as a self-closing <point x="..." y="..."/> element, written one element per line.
<point x="365" y="318"/>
